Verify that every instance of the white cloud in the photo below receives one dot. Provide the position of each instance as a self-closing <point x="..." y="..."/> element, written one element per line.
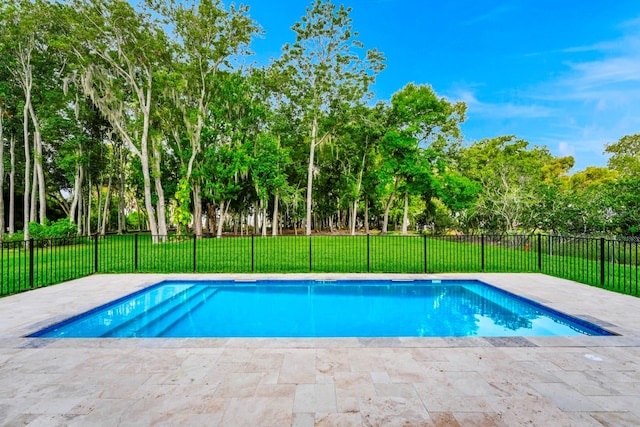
<point x="566" y="149"/>
<point x="503" y="110"/>
<point x="593" y="101"/>
<point x="605" y="72"/>
<point x="611" y="80"/>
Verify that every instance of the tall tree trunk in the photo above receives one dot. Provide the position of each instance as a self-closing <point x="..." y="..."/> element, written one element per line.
<point x="122" y="220"/>
<point x="99" y="207"/>
<point x="354" y="217"/>
<point x="12" y="186"/>
<point x="80" y="213"/>
<point x="27" y="170"/>
<point x="387" y="207"/>
<point x="144" y="161"/>
<point x="223" y="212"/>
<point x="105" y="213"/>
<point x="140" y="214"/>
<point x="211" y="218"/>
<point x="76" y="193"/>
<point x="312" y="150"/>
<point x="37" y="137"/>
<point x="263" y="209"/>
<point x="88" y="204"/>
<point x="274" y="221"/>
<point x="354" y="212"/>
<point x="197" y="210"/>
<point x="405" y="217"/>
<point x="366" y="215"/>
<point x="34" y="190"/>
<point x="2" y="228"/>
<point x="255" y="219"/>
<point x="162" y="220"/>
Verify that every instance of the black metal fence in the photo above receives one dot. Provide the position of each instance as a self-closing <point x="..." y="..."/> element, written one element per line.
<point x="604" y="262"/>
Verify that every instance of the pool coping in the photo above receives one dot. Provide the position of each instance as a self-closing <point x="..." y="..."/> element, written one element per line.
<point x="627" y="334"/>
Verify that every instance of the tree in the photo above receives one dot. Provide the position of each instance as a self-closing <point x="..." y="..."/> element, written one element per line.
<point x="421" y="126"/>
<point x="209" y="39"/>
<point x="625" y="156"/>
<point x="119" y="50"/>
<point x="515" y="180"/>
<point x="23" y="44"/>
<point x="10" y="129"/>
<point x="233" y="126"/>
<point x="360" y="142"/>
<point x="269" y="161"/>
<point x="325" y="71"/>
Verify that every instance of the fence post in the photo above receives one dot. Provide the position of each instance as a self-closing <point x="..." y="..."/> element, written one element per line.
<point x="602" y="261"/>
<point x="424" y="251"/>
<point x="95" y="253"/>
<point x="30" y="263"/>
<point x="539" y="252"/>
<point x="135" y="253"/>
<point x="482" y="252"/>
<point x="252" y="254"/>
<point x="195" y="240"/>
<point x="310" y="265"/>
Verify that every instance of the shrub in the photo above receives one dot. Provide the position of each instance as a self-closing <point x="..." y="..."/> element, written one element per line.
<point x="18" y="236"/>
<point x="60" y="232"/>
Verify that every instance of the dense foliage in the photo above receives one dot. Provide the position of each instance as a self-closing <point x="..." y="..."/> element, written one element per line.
<point x="116" y="116"/>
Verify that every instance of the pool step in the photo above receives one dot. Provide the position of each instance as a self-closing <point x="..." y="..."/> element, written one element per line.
<point x="159" y="326"/>
<point x="135" y="323"/>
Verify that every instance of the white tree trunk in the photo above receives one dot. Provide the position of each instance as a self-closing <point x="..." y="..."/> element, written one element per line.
<point x="122" y="219"/>
<point x="88" y="205"/>
<point x="223" y="213"/>
<point x="197" y="210"/>
<point x="99" y="207"/>
<point x="264" y="217"/>
<point x="255" y="219"/>
<point x="312" y="149"/>
<point x="27" y="167"/>
<point x="387" y="208"/>
<point x="274" y="221"/>
<point x="2" y="225"/>
<point x="76" y="193"/>
<point x="144" y="160"/>
<point x="405" y="217"/>
<point x="162" y="220"/>
<point x="354" y="211"/>
<point x="105" y="213"/>
<point x="37" y="138"/>
<point x="34" y="190"/>
<point x="354" y="217"/>
<point x="12" y="186"/>
<point x="80" y="213"/>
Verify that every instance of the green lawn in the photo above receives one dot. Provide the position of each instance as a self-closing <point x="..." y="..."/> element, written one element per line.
<point x="576" y="259"/>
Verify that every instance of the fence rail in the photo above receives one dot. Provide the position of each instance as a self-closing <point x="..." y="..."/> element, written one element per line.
<point x="603" y="262"/>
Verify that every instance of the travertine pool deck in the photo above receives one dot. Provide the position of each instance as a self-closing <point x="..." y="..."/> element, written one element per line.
<point x="544" y="381"/>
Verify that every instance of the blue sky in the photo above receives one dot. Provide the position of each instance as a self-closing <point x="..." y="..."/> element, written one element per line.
<point x="564" y="74"/>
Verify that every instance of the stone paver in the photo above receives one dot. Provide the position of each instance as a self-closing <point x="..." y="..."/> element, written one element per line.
<point x="535" y="381"/>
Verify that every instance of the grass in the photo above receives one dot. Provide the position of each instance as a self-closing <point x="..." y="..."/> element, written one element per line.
<point x="576" y="259"/>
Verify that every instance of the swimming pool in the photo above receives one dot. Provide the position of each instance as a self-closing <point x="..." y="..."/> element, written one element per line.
<point x="310" y="308"/>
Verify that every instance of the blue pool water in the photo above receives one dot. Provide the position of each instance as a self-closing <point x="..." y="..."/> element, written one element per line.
<point x="320" y="309"/>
